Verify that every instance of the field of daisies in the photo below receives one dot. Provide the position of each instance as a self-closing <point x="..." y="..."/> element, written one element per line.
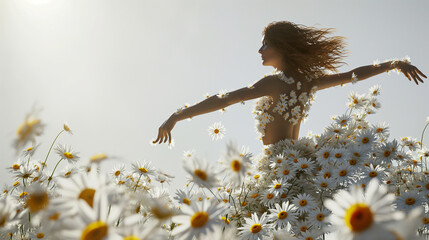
<point x="350" y="182"/>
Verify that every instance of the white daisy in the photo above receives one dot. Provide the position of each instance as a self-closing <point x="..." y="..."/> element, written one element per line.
<point x="304" y="165"/>
<point x="354" y="78"/>
<point x="183" y="197"/>
<point x="371" y="172"/>
<point x="358" y="213"/>
<point x="406" y="201"/>
<point x="366" y="138"/>
<point x="216" y="131"/>
<point x="222" y="94"/>
<point x="317" y="217"/>
<point x="304" y="203"/>
<point x="196" y="220"/>
<point x="268" y="198"/>
<point x="8" y="213"/>
<point x="235" y="164"/>
<point x="278" y="187"/>
<point x="283" y="215"/>
<point x="79" y="186"/>
<point x="255" y="228"/>
<point x="146" y="169"/>
<point x="201" y="172"/>
<point x="66" y="153"/>
<point x="97" y="222"/>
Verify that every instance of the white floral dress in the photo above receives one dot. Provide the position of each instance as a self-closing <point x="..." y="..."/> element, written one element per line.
<point x="292" y="106"/>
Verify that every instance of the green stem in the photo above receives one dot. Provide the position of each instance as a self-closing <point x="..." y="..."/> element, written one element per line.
<point x="421" y="140"/>
<point x="46" y="159"/>
<point x="421" y="144"/>
<point x="52" y="174"/>
<point x="137" y="183"/>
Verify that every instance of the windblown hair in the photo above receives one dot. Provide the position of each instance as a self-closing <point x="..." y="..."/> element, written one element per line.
<point x="307" y="51"/>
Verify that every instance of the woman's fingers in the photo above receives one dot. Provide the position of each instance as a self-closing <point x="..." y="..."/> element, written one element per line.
<point x="418" y="71"/>
<point x="415" y="77"/>
<point x="406" y="75"/>
<point x="169" y="137"/>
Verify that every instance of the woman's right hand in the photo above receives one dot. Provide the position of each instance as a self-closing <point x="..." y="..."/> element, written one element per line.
<point x="410" y="71"/>
<point x="164" y="132"/>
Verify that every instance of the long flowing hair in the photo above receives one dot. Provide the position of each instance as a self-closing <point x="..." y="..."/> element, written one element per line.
<point x="306" y="51"/>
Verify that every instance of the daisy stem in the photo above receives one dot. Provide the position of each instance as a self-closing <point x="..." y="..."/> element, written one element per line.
<point x="421" y="143"/>
<point x="52" y="174"/>
<point x="137" y="183"/>
<point x="44" y="163"/>
<point x="213" y="194"/>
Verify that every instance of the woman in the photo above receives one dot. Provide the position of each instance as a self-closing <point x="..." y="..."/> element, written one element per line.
<point x="302" y="56"/>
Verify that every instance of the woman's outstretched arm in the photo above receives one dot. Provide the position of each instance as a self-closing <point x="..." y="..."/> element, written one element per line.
<point x="364" y="72"/>
<point x="264" y="87"/>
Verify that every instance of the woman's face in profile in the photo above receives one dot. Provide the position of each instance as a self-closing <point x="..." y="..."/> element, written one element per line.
<point x="270" y="56"/>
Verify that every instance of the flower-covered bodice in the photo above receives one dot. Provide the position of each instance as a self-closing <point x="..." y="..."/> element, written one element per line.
<point x="292" y="105"/>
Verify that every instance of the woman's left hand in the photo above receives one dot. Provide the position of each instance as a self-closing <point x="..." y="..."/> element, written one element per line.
<point x="164" y="132"/>
<point x="410" y="71"/>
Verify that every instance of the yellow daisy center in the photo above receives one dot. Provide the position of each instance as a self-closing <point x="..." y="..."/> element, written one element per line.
<point x="95" y="231"/>
<point x="142" y="169"/>
<point x="308" y="238"/>
<point x="352" y="162"/>
<point x="410" y="201"/>
<point x="304" y="166"/>
<point x="338" y="155"/>
<point x="326" y="154"/>
<point x="277" y="186"/>
<point x="38" y="201"/>
<point x="131" y="238"/>
<point x="201" y="174"/>
<point x="226" y="220"/>
<point x="285" y="172"/>
<point x="327" y="175"/>
<point x="303" y="202"/>
<point x="23" y="194"/>
<point x="236" y="165"/>
<point x="303" y="228"/>
<point x="359" y="217"/>
<point x="373" y="174"/>
<point x="88" y="195"/>
<point x="3" y="221"/>
<point x="199" y="219"/>
<point x="282" y="215"/>
<point x="29" y="149"/>
<point x="15" y="167"/>
<point x="387" y="153"/>
<point x="323" y="184"/>
<point x="216" y="131"/>
<point x="40" y="235"/>
<point x="98" y="157"/>
<point x="117" y="173"/>
<point x="26" y="129"/>
<point x="68" y="155"/>
<point x="320" y="217"/>
<point x="270" y="196"/>
<point x="424" y="220"/>
<point x="365" y="140"/>
<point x="255" y="228"/>
<point x="54" y="217"/>
<point x="186" y="201"/>
<point x="343" y="173"/>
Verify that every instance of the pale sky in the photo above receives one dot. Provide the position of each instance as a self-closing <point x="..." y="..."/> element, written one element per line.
<point x="115" y="70"/>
